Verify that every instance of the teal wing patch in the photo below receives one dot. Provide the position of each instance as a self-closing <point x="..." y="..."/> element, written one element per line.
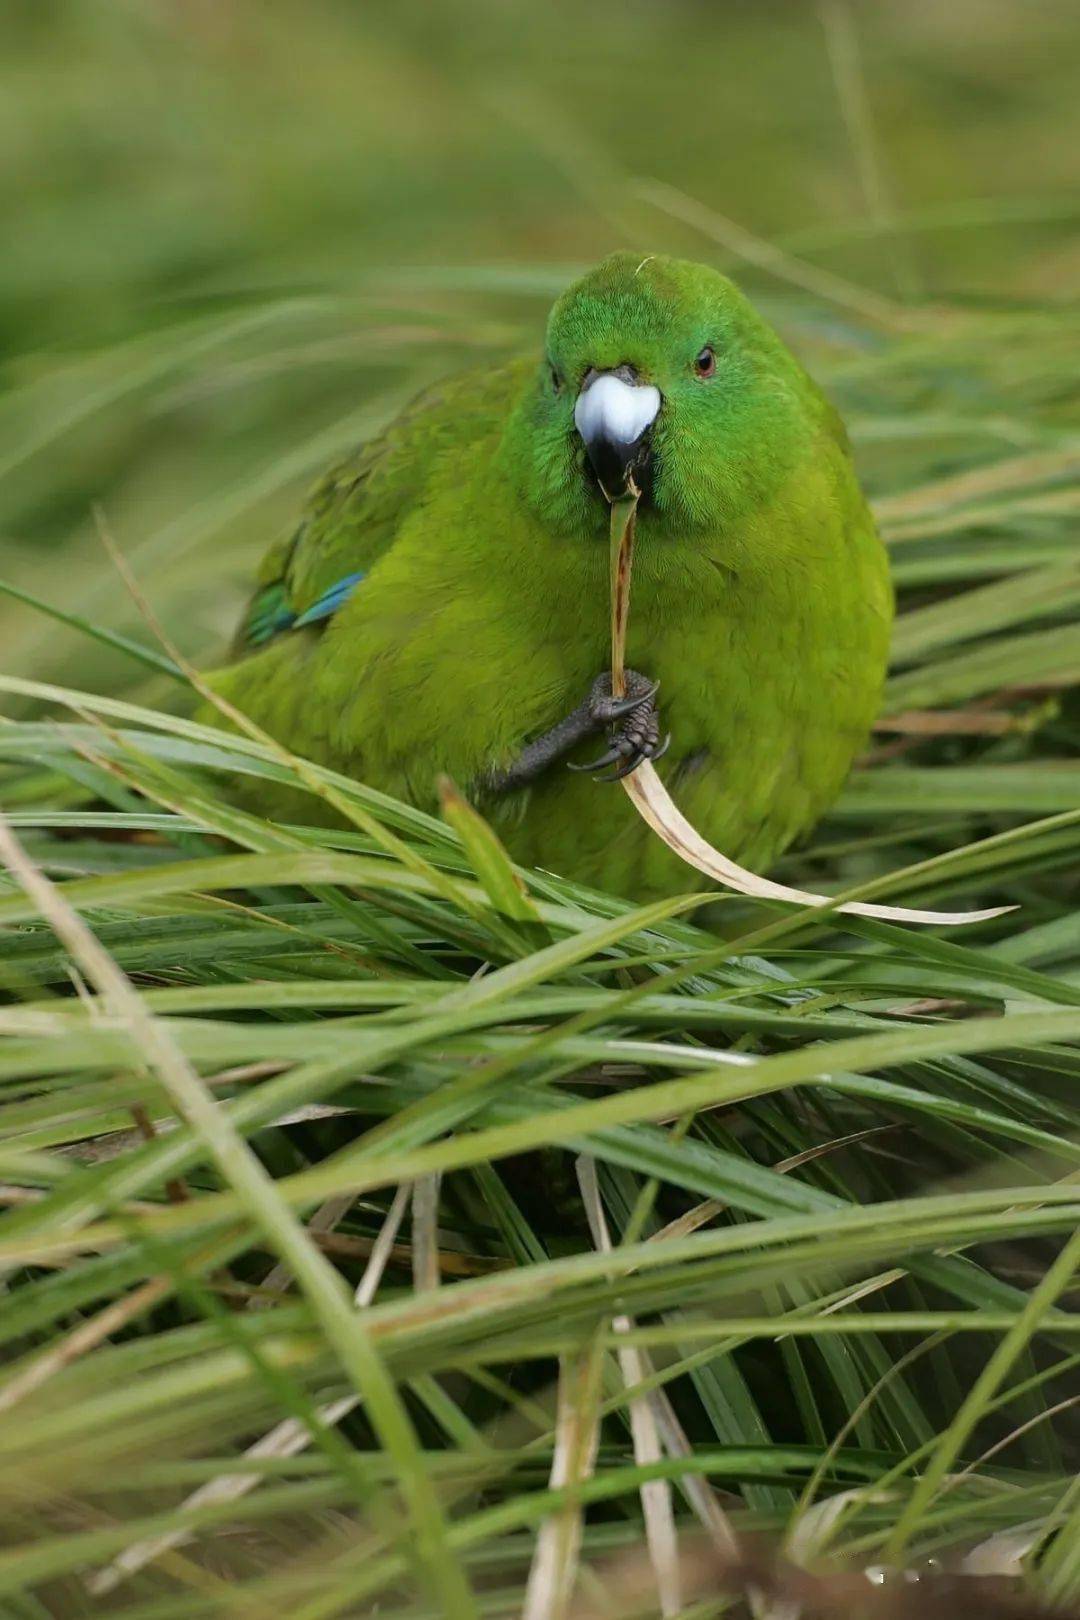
<point x="270" y="613"/>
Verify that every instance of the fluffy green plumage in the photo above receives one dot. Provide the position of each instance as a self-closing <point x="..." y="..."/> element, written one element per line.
<point x="761" y="598"/>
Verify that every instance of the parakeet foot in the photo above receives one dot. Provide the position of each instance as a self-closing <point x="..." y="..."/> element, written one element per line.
<point x="634" y="734"/>
<point x="634" y="726"/>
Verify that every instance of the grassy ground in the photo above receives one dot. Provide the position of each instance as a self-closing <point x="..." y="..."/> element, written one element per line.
<point x="523" y="1222"/>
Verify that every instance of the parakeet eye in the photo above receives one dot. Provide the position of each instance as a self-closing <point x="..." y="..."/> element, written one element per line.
<point x="705" y="364"/>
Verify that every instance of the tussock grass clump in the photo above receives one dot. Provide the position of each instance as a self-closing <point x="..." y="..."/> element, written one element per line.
<point x="383" y="1223"/>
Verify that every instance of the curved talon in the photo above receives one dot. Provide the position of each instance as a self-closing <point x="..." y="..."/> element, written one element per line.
<point x="618" y="708"/>
<point x="613" y="754"/>
<point x="626" y="770"/>
<point x="638" y="757"/>
<point x="632" y="728"/>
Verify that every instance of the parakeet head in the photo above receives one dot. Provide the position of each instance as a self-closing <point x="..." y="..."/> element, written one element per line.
<point x="659" y="371"/>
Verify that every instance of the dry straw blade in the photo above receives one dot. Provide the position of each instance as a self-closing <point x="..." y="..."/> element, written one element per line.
<point x="657" y="809"/>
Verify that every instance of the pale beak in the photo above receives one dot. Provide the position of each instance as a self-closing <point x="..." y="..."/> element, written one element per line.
<point x="614" y="415"/>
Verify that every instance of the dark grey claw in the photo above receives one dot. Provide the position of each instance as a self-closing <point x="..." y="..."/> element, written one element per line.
<point x="614" y="753"/>
<point x="633" y="730"/>
<point x="608" y="710"/>
<point x="624" y="770"/>
<point x="638" y="758"/>
<point x="627" y="705"/>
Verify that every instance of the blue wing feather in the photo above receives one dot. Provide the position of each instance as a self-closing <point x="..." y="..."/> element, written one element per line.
<point x="328" y="603"/>
<point x="270" y="612"/>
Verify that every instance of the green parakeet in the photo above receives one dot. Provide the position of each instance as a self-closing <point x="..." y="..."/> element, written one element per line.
<point x="443" y="604"/>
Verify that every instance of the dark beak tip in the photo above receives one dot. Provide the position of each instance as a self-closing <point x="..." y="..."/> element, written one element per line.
<point x="615" y="464"/>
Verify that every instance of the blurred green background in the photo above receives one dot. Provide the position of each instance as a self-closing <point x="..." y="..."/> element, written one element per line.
<point x="239" y="233"/>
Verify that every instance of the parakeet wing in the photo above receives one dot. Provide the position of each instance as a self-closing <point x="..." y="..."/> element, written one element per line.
<point x="354" y="511"/>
